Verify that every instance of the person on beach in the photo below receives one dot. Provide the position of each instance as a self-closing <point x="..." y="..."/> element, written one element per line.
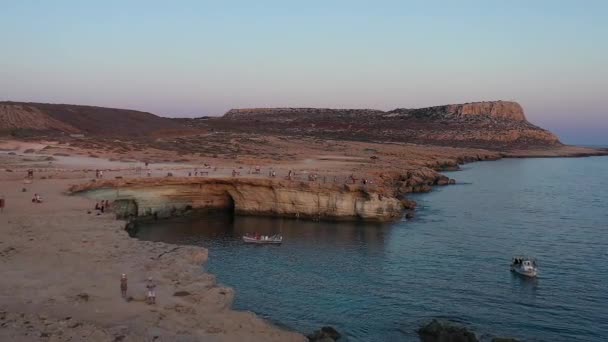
<point x="36" y="199"/>
<point x="97" y="206"/>
<point x="102" y="208"/>
<point x="123" y="285"/>
<point x="151" y="297"/>
<point x="2" y="203"/>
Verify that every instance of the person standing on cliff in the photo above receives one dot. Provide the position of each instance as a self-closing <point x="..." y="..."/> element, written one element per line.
<point x="123" y="285"/>
<point x="151" y="298"/>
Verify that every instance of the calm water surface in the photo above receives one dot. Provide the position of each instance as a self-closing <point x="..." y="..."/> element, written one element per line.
<point x="380" y="282"/>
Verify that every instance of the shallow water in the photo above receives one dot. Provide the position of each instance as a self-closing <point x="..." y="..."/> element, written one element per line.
<point x="380" y="282"/>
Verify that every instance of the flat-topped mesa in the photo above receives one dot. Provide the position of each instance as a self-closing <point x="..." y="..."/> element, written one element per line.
<point x="498" y="125"/>
<point x="287" y="113"/>
<point x="491" y="109"/>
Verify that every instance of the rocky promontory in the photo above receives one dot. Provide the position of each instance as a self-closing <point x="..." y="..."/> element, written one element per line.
<point x="491" y="125"/>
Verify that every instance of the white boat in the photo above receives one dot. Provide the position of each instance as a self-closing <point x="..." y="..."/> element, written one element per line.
<point x="263" y="240"/>
<point x="524" y="266"/>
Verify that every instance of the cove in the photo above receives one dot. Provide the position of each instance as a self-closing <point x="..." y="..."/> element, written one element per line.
<point x="380" y="282"/>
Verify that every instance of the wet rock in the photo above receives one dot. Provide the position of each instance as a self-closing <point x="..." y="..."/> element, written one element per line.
<point x="503" y="339"/>
<point x="443" y="181"/>
<point x="409" y="215"/>
<point x="436" y="331"/>
<point x="325" y="334"/>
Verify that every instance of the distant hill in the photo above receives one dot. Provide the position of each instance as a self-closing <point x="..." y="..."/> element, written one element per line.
<point x="494" y="124"/>
<point x="16" y="117"/>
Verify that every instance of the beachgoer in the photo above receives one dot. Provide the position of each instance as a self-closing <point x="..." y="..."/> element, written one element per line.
<point x="149" y="173"/>
<point x="100" y="174"/>
<point x="123" y="285"/>
<point x="97" y="206"/>
<point x="151" y="294"/>
<point x="2" y="203"/>
<point x="102" y="208"/>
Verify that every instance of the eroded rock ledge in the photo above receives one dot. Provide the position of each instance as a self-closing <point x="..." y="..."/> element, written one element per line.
<point x="381" y="201"/>
<point x="164" y="197"/>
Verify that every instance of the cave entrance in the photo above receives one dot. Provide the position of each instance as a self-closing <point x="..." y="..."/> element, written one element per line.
<point x="230" y="207"/>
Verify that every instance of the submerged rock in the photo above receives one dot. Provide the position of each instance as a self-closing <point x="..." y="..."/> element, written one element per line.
<point x="326" y="334"/>
<point x="436" y="331"/>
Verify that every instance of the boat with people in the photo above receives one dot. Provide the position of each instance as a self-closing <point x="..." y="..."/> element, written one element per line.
<point x="263" y="239"/>
<point x="524" y="266"/>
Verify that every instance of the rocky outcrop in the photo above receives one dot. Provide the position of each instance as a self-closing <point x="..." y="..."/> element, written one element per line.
<point x="164" y="197"/>
<point x="325" y="334"/>
<point x="491" y="109"/>
<point x="445" y="331"/>
<point x="436" y="331"/>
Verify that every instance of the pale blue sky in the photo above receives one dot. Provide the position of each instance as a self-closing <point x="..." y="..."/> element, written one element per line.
<point x="192" y="58"/>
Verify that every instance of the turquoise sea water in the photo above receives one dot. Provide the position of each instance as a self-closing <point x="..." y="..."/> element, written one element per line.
<point x="381" y="282"/>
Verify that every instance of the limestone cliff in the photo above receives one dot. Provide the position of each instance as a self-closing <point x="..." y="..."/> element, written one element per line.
<point x="170" y="196"/>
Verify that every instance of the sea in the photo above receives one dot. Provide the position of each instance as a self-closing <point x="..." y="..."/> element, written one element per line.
<point x="381" y="282"/>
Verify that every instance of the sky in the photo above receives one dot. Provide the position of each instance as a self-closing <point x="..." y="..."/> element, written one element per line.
<point x="195" y="58"/>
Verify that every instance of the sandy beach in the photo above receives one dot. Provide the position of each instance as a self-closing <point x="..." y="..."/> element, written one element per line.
<point x="61" y="265"/>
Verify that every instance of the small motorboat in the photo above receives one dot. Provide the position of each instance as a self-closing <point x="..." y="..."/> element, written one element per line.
<point x="263" y="239"/>
<point x="524" y="266"/>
